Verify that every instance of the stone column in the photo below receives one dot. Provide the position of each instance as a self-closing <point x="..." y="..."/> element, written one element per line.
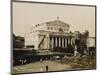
<point x="71" y="41"/>
<point x="59" y="42"/>
<point x="56" y="41"/>
<point x="65" y="42"/>
<point x="68" y="40"/>
<point x="48" y="42"/>
<point x="52" y="42"/>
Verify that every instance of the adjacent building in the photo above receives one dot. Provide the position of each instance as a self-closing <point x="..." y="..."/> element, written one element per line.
<point x="18" y="41"/>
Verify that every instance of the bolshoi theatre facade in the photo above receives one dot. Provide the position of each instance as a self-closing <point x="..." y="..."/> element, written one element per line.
<point x="50" y="35"/>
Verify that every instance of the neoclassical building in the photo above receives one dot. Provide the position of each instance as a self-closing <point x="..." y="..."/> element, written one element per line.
<point x="50" y="35"/>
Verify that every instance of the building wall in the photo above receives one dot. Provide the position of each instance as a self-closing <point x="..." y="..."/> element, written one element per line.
<point x="57" y="28"/>
<point x="55" y="25"/>
<point x="32" y="39"/>
<point x="18" y="41"/>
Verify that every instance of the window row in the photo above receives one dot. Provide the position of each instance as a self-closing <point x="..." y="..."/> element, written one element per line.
<point x="55" y="28"/>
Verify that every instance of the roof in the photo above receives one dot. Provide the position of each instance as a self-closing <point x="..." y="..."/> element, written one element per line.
<point x="57" y="22"/>
<point x="54" y="23"/>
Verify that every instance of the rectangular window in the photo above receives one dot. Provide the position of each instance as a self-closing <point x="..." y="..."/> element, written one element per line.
<point x="48" y="28"/>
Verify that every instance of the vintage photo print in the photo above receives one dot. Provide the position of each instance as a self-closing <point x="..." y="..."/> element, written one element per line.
<point x="52" y="37"/>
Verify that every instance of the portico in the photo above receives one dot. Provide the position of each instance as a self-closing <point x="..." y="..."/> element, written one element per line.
<point x="59" y="41"/>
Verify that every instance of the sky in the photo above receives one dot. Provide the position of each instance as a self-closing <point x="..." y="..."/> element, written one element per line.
<point x="26" y="15"/>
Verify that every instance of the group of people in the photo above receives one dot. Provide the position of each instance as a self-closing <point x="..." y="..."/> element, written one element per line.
<point x="46" y="67"/>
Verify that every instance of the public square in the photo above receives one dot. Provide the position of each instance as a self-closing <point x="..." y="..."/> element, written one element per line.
<point x="54" y="65"/>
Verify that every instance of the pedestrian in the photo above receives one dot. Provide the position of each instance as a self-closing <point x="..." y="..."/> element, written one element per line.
<point x="75" y="53"/>
<point x="46" y="58"/>
<point x="41" y="69"/>
<point x="46" y="67"/>
<point x="41" y="60"/>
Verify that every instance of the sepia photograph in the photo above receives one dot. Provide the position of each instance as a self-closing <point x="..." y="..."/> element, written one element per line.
<point x="52" y="37"/>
